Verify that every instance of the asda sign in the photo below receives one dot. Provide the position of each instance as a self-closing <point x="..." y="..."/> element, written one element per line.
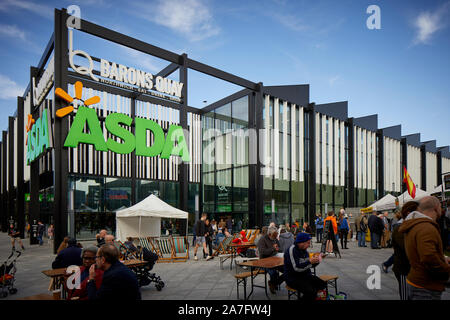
<point x="116" y="123"/>
<point x="38" y="136"/>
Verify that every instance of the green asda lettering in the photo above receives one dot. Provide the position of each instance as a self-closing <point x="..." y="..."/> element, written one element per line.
<point x="38" y="139"/>
<point x="173" y="144"/>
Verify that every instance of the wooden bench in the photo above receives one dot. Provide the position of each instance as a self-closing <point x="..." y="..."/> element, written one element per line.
<point x="331" y="280"/>
<point x="242" y="278"/>
<point x="292" y="292"/>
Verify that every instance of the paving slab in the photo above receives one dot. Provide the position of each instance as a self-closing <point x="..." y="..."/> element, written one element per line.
<point x="204" y="280"/>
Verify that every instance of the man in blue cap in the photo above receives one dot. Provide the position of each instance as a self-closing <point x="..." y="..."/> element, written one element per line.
<point x="297" y="268"/>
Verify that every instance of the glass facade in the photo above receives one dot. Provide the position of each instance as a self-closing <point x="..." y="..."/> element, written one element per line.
<point x="225" y="165"/>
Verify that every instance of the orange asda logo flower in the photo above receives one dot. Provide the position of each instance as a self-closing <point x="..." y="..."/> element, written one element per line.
<point x="62" y="112"/>
<point x="29" y="125"/>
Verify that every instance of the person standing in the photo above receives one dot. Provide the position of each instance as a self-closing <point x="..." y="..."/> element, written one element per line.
<point x="430" y="269"/>
<point x="343" y="231"/>
<point x="40" y="232"/>
<point x="361" y="229"/>
<point x="376" y="227"/>
<point x="200" y="232"/>
<point x="319" y="227"/>
<point x="208" y="238"/>
<point x="50" y="234"/>
<point x="15" y="236"/>
<point x="401" y="263"/>
<point x="286" y="239"/>
<point x="386" y="233"/>
<point x="332" y="231"/>
<point x="229" y="224"/>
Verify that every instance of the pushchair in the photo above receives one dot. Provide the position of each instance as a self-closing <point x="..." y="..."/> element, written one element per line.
<point x="143" y="274"/>
<point x="8" y="274"/>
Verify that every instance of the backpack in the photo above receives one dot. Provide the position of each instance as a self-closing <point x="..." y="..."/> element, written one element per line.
<point x="363" y="226"/>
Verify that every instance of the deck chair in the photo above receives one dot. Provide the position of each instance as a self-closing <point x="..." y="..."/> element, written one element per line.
<point x="144" y="242"/>
<point x="253" y="236"/>
<point x="128" y="254"/>
<point x="223" y="247"/>
<point x="180" y="248"/>
<point x="164" y="249"/>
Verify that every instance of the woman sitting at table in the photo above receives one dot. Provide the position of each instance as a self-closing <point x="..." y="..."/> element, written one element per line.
<point x="88" y="255"/>
<point x="241" y="239"/>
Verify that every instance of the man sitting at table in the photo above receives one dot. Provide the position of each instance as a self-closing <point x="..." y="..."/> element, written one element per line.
<point x="269" y="246"/>
<point x="109" y="239"/>
<point x="119" y="282"/>
<point x="88" y="255"/>
<point x="69" y="256"/>
<point x="241" y="239"/>
<point x="297" y="268"/>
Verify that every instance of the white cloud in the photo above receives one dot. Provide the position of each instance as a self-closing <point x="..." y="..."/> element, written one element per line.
<point x="427" y="23"/>
<point x="39" y="9"/>
<point x="9" y="89"/>
<point x="192" y="18"/>
<point x="333" y="80"/>
<point x="142" y="60"/>
<point x="12" y="31"/>
<point x="290" y="21"/>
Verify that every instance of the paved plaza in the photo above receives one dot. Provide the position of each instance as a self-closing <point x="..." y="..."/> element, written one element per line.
<point x="204" y="280"/>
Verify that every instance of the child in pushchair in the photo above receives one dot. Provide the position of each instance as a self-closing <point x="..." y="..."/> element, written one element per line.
<point x="143" y="274"/>
<point x="8" y="274"/>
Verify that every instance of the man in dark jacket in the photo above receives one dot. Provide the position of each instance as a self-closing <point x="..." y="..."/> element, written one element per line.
<point x="376" y="227"/>
<point x="200" y="236"/>
<point x="269" y="246"/>
<point x="119" y="282"/>
<point x="297" y="268"/>
<point x="70" y="256"/>
<point x="40" y="232"/>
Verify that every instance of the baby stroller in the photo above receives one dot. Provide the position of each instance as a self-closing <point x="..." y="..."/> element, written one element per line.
<point x="143" y="274"/>
<point x="7" y="274"/>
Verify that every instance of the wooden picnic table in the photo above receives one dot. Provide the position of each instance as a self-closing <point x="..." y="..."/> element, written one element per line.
<point x="262" y="264"/>
<point x="41" y="296"/>
<point x="235" y="246"/>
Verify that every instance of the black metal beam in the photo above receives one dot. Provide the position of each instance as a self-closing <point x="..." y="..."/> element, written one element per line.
<point x="351" y="163"/>
<point x="11" y="173"/>
<point x="203" y="68"/>
<point x="256" y="178"/>
<point x="4" y="184"/>
<point x="404" y="158"/>
<point x="439" y="168"/>
<point x="183" y="176"/>
<point x="380" y="172"/>
<point x="3" y="216"/>
<point x="312" y="160"/>
<point x="20" y="196"/>
<point x="60" y="213"/>
<point x="167" y="71"/>
<point x="423" y="171"/>
<point x="47" y="52"/>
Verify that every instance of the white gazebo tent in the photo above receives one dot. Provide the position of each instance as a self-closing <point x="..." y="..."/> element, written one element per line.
<point x="405" y="197"/>
<point x="144" y="218"/>
<point x="436" y="190"/>
<point x="385" y="203"/>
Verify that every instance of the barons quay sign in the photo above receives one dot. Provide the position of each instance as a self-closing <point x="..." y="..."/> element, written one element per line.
<point x="38" y="137"/>
<point x="173" y="144"/>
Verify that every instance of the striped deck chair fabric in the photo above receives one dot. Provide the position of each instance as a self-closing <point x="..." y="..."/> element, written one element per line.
<point x="180" y="248"/>
<point x="164" y="249"/>
<point x="145" y="244"/>
<point x="224" y="246"/>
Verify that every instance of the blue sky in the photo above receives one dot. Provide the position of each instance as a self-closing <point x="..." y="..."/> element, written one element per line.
<point x="401" y="72"/>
